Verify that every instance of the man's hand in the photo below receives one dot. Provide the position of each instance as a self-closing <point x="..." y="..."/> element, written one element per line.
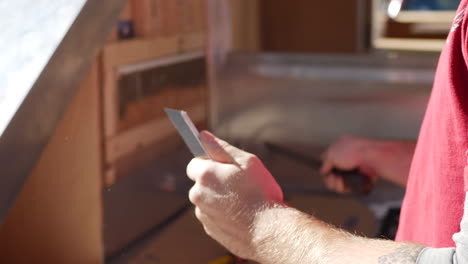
<point x="347" y="153"/>
<point x="229" y="192"/>
<point x="389" y="159"/>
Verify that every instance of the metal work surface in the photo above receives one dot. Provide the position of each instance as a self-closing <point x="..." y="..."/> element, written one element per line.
<point x="315" y="99"/>
<point x="47" y="48"/>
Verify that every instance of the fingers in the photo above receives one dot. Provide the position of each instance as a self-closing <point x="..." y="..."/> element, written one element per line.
<point x="212" y="226"/>
<point x="197" y="194"/>
<point x="204" y="171"/>
<point x="210" y="173"/>
<point x="327" y="166"/>
<point x="207" y="199"/>
<point x="220" y="150"/>
<point x="332" y="182"/>
<point x="199" y="169"/>
<point x="343" y="154"/>
<point x="336" y="184"/>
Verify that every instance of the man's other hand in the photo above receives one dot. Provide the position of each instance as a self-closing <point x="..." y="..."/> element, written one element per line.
<point x="388" y="159"/>
<point x="229" y="192"/>
<point x="347" y="153"/>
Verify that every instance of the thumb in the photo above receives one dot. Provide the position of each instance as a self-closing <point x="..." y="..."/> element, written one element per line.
<point x="219" y="150"/>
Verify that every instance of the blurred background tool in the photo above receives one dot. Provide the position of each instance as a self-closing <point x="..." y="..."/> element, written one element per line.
<point x="357" y="182"/>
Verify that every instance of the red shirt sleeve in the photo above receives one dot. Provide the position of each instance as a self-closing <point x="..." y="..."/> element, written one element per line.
<point x="466" y="172"/>
<point x="464" y="32"/>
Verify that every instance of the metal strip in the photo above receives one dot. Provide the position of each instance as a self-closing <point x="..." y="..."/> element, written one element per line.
<point x="187" y="131"/>
<point x="164" y="61"/>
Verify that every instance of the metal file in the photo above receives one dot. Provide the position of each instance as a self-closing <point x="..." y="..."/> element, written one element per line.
<point x="187" y="131"/>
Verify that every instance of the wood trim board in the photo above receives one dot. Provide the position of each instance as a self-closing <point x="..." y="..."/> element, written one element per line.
<point x="428" y="45"/>
<point x="123" y="53"/>
<point x="425" y="16"/>
<point x="139" y="137"/>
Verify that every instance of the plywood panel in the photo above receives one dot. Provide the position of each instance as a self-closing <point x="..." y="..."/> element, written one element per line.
<point x="312" y="25"/>
<point x="57" y="217"/>
<point x="136" y="51"/>
<point x="245" y="15"/>
<point x="147" y="16"/>
<point x="144" y="93"/>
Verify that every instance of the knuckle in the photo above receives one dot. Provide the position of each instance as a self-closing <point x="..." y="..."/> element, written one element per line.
<point x="205" y="175"/>
<point x="201" y="216"/>
<point x="223" y="144"/>
<point x="188" y="169"/>
<point x="207" y="230"/>
<point x="198" y="213"/>
<point x="195" y="196"/>
<point x="251" y="160"/>
<point x="192" y="165"/>
<point x="193" y="169"/>
<point x="200" y="172"/>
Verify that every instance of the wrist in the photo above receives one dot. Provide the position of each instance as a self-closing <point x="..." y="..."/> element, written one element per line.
<point x="282" y="234"/>
<point x="266" y="229"/>
<point x="371" y="156"/>
<point x="389" y="159"/>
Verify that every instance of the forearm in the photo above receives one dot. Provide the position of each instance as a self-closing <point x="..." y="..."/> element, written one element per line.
<point x="391" y="159"/>
<point x="285" y="235"/>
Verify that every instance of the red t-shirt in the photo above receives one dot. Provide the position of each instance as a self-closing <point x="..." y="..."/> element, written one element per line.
<point x="433" y="204"/>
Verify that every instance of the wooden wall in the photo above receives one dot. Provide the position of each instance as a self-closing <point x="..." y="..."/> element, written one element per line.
<point x="313" y="25"/>
<point x="57" y="217"/>
<point x="245" y="25"/>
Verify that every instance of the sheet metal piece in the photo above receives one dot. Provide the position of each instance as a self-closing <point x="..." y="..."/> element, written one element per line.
<point x="187" y="131"/>
<point x="47" y="48"/>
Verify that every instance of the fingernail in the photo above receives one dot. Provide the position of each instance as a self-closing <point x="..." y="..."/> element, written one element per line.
<point x="208" y="138"/>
